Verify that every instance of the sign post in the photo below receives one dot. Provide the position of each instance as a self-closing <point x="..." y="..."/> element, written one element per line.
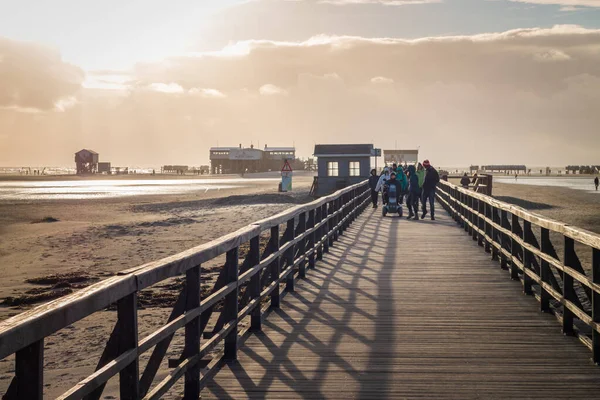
<point x="286" y="177"/>
<point x="376" y="153"/>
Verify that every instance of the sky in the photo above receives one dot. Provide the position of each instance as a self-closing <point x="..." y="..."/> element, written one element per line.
<point x="148" y="82"/>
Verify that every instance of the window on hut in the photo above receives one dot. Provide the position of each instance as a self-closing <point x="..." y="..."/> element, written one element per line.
<point x="354" y="168"/>
<point x="332" y="168"/>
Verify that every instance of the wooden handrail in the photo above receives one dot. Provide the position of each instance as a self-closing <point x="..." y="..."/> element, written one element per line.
<point x="312" y="228"/>
<point x="507" y="232"/>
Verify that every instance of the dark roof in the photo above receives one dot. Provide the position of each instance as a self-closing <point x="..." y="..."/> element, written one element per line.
<point x="89" y="151"/>
<point x="342" y="149"/>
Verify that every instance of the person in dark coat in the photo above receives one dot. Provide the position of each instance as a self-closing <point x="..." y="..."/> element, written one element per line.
<point x="373" y="179"/>
<point x="465" y="181"/>
<point x="596" y="182"/>
<point x="414" y="193"/>
<point x="429" y="185"/>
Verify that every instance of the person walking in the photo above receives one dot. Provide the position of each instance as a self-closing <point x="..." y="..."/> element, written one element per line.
<point x="429" y="185"/>
<point x="465" y="181"/>
<point x="414" y="193"/>
<point x="596" y="182"/>
<point x="373" y="180"/>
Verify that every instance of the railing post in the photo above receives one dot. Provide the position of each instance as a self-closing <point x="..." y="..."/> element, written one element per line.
<point x="474" y="218"/>
<point x="301" y="245"/>
<point x="504" y="239"/>
<point x="487" y="228"/>
<point x="514" y="252"/>
<point x="275" y="266"/>
<point x="192" y="333"/>
<point x="254" y="286"/>
<point x="494" y="218"/>
<point x="311" y="238"/>
<point x="527" y="257"/>
<point x="336" y="219"/>
<point x="596" y="305"/>
<point x="129" y="383"/>
<point x="330" y="224"/>
<point x="568" y="288"/>
<point x="545" y="270"/>
<point x="481" y="222"/>
<point x="469" y="203"/>
<point x="289" y="255"/>
<point x="230" y="304"/>
<point x="29" y="372"/>
<point x="320" y="230"/>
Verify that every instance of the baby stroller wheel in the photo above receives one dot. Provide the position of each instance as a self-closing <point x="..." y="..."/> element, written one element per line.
<point x="384" y="211"/>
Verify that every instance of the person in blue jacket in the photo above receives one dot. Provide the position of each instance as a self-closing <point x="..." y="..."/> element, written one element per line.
<point x="414" y="193"/>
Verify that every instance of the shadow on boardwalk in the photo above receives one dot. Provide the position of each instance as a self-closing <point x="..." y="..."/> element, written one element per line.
<point x="402" y="309"/>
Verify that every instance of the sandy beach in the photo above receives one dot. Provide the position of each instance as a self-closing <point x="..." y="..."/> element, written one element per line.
<point x="574" y="207"/>
<point x="96" y="238"/>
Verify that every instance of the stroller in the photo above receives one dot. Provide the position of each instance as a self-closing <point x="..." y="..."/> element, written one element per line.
<point x="392" y="206"/>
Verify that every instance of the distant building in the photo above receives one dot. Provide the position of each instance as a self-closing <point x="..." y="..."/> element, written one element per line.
<point x="86" y="162"/>
<point x="236" y="160"/>
<point x="400" y="157"/>
<point x="104" y="168"/>
<point x="341" y="165"/>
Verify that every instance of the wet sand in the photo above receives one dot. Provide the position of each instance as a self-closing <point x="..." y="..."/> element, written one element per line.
<point x="95" y="238"/>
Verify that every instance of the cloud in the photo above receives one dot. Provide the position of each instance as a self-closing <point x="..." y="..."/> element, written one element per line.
<point x="520" y="96"/>
<point x="65" y="103"/>
<point x="214" y="93"/>
<point x="34" y="77"/>
<point x="381" y="79"/>
<point x="381" y="2"/>
<point x="271" y="90"/>
<point x="166" y="87"/>
<point x="568" y="5"/>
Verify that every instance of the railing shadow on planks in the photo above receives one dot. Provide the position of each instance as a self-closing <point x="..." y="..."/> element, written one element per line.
<point x="521" y="241"/>
<point x="243" y="290"/>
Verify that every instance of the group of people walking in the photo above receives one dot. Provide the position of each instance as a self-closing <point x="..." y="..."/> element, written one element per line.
<point x="418" y="183"/>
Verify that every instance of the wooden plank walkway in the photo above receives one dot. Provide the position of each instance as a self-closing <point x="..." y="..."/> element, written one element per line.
<point x="405" y="309"/>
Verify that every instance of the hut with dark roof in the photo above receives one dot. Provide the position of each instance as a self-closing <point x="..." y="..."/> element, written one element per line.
<point x="341" y="165"/>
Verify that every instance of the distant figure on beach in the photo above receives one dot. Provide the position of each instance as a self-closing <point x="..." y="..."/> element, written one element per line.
<point x="596" y="182"/>
<point x="465" y="180"/>
<point x="429" y="184"/>
<point x="516" y="176"/>
<point x="373" y="180"/>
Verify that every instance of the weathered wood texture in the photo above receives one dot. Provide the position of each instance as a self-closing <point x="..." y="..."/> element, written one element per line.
<point x="404" y="309"/>
<point x="562" y="284"/>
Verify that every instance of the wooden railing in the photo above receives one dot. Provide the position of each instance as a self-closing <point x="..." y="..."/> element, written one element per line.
<point x="242" y="290"/>
<point x="522" y="242"/>
<point x="479" y="183"/>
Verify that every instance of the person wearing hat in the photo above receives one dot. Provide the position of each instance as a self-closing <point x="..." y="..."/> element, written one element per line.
<point x="429" y="184"/>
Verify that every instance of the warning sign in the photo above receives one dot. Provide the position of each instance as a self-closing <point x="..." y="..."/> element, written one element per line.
<point x="286" y="167"/>
<point x="286" y="177"/>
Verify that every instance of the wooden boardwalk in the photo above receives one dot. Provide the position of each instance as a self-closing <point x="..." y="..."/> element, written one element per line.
<point x="404" y="309"/>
